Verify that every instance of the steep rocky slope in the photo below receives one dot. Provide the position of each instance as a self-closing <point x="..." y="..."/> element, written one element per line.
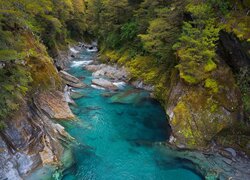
<point x="32" y="138"/>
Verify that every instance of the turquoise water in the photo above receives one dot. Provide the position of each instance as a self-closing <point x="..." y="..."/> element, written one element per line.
<point x="119" y="135"/>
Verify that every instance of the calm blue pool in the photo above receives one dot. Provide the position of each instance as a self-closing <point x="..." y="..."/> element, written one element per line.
<point x="118" y="135"/>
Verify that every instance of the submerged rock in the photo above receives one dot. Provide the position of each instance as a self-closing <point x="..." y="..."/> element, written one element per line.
<point x="77" y="95"/>
<point x="128" y="97"/>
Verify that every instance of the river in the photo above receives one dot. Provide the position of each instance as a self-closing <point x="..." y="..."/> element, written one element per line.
<point x="119" y="135"/>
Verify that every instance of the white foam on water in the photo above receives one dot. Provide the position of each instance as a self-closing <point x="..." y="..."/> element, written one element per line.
<point x="120" y="85"/>
<point x="73" y="50"/>
<point x="97" y="87"/>
<point x="80" y="63"/>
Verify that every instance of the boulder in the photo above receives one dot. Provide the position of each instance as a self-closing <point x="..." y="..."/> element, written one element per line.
<point x="77" y="95"/>
<point x="112" y="72"/>
<point x="197" y="114"/>
<point x="93" y="67"/>
<point x="104" y="83"/>
<point x="71" y="80"/>
<point x="68" y="77"/>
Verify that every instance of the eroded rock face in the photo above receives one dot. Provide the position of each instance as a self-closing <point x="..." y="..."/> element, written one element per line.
<point x="197" y="114"/>
<point x="31" y="138"/>
<point x="54" y="104"/>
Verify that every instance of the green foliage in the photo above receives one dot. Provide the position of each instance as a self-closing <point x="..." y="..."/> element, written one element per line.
<point x="106" y="19"/>
<point x="129" y="31"/>
<point x="6" y="55"/>
<point x="222" y="6"/>
<point x="163" y="31"/>
<point x="24" y="62"/>
<point x="144" y="68"/>
<point x="14" y="83"/>
<point x="197" y="44"/>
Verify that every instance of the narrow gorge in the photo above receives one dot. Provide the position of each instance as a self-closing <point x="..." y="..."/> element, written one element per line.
<point x="145" y="89"/>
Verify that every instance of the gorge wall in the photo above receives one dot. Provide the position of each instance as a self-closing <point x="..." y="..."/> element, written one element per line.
<point x="194" y="53"/>
<point x="34" y="43"/>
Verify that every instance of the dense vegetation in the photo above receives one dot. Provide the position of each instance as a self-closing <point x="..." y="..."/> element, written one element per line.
<point x="153" y="38"/>
<point x="26" y="27"/>
<point x="157" y="40"/>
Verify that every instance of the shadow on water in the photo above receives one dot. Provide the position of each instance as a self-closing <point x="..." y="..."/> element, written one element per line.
<point x="178" y="163"/>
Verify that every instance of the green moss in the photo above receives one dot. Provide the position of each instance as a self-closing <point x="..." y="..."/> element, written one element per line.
<point x="144" y="68"/>
<point x="210" y="66"/>
<point x="189" y="79"/>
<point x="213" y="108"/>
<point x="198" y="117"/>
<point x="112" y="56"/>
<point x="212" y="85"/>
<point x="182" y="113"/>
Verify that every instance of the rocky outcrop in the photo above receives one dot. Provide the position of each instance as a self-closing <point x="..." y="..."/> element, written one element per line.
<point x="62" y="59"/>
<point x="198" y="113"/>
<point x="54" y="105"/>
<point x="112" y="72"/>
<point x="70" y="80"/>
<point x="31" y="138"/>
<point x="235" y="53"/>
<point x="115" y="73"/>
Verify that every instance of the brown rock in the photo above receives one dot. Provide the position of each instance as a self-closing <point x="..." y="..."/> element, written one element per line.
<point x="54" y="104"/>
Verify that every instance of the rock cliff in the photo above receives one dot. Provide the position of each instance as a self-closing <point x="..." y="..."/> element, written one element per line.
<point x="32" y="138"/>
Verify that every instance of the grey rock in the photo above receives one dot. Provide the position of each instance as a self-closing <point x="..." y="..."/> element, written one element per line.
<point x="232" y="151"/>
<point x="104" y="83"/>
<point x="71" y="80"/>
<point x="141" y="85"/>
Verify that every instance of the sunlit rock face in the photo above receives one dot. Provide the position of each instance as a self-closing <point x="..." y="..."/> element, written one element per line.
<point x="31" y="138"/>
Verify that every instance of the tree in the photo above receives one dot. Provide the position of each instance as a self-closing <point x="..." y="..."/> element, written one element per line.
<point x="197" y="44"/>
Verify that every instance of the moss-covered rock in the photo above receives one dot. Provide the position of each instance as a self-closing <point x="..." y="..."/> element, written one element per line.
<point x="199" y="112"/>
